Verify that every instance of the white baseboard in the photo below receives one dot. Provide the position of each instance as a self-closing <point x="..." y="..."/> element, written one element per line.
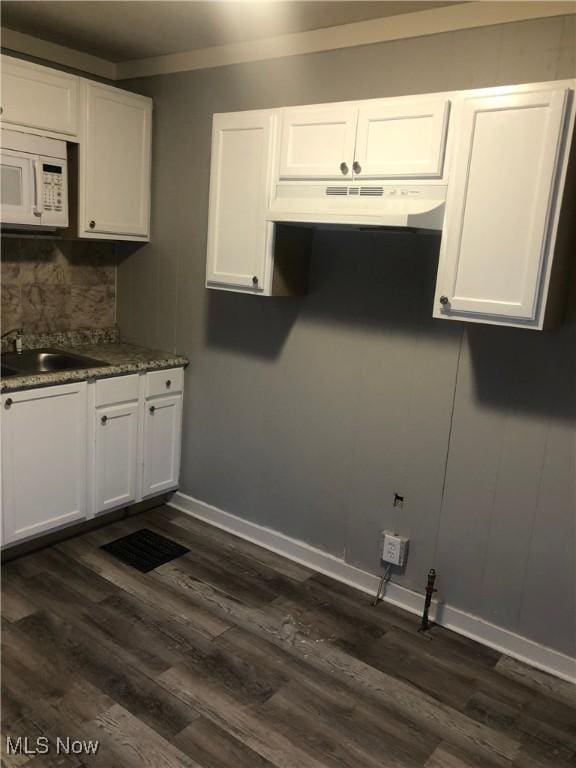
<point x="521" y="648"/>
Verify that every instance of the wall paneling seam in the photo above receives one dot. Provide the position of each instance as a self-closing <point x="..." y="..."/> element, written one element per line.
<point x="448" y="442"/>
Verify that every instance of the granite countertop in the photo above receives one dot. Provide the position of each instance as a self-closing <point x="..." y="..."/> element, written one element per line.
<point x="121" y="358"/>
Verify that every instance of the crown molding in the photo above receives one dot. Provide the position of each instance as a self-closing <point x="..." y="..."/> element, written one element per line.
<point x="18" y="42"/>
<point x="418" y="24"/>
<point x="465" y="15"/>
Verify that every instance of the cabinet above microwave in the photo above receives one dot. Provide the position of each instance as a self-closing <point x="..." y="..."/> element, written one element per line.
<point x="39" y="98"/>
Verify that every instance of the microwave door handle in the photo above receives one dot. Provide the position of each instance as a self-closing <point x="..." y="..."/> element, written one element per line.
<point x="38" y="188"/>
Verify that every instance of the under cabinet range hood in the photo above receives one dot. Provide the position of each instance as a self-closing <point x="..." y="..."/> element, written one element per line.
<point x="419" y="206"/>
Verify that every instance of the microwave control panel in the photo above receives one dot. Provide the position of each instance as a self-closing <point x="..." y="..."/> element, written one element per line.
<point x="53" y="181"/>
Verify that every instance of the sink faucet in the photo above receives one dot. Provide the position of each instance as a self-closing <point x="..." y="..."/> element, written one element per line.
<point x="17" y="340"/>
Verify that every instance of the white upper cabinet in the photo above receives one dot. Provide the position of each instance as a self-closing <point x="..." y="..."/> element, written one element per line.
<point x="115" y="154"/>
<point x="39" y="98"/>
<point x="113" y="130"/>
<point x="502" y="202"/>
<point x="401" y="138"/>
<point x="383" y="139"/>
<point x="498" y="157"/>
<point x="318" y="142"/>
<point x="239" y="238"/>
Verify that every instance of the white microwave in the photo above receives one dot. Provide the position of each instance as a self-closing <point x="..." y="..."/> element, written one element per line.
<point x="34" y="182"/>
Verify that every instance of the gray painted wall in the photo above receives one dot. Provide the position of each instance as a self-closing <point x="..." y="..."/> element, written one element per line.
<point x="306" y="415"/>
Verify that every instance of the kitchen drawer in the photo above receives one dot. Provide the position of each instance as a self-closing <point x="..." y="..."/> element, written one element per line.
<point x="164" y="382"/>
<point x="120" y="389"/>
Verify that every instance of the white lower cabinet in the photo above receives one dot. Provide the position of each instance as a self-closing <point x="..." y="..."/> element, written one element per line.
<point x="161" y="444"/>
<point x="115" y="456"/>
<point x="43" y="459"/>
<point x="74" y="451"/>
<point x="136" y="437"/>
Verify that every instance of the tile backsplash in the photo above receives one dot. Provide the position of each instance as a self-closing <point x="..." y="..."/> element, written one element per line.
<point x="50" y="285"/>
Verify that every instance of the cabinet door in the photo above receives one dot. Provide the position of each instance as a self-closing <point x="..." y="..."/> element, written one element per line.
<point x="38" y="97"/>
<point x="43" y="459"/>
<point x="499" y="207"/>
<point x="318" y="142"/>
<point x="239" y="238"/>
<point x="115" y="163"/>
<point x="401" y="139"/>
<point x="115" y="456"/>
<point x="161" y="444"/>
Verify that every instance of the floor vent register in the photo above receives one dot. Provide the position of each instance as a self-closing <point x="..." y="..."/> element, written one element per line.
<point x="144" y="550"/>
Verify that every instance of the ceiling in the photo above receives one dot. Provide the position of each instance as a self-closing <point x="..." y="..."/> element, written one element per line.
<point x="137" y="29"/>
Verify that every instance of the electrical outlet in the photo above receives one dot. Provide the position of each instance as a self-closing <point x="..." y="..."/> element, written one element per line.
<point x="394" y="548"/>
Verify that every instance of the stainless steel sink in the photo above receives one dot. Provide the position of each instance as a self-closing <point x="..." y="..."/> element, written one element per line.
<point x="7" y="371"/>
<point x="33" y="361"/>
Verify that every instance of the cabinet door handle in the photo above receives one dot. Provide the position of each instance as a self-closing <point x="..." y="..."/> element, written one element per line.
<point x="8" y="403"/>
<point x="168" y="383"/>
<point x="356" y="167"/>
<point x="38" y="188"/>
<point x="344" y="168"/>
<point x="444" y="300"/>
<point x="254" y="280"/>
<point x="152" y="408"/>
<point x="104" y="419"/>
<point x="92" y="224"/>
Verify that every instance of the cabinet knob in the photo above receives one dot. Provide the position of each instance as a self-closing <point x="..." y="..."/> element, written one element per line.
<point x="152" y="408"/>
<point x="444" y="300"/>
<point x="344" y="168"/>
<point x="356" y="167"/>
<point x="92" y="224"/>
<point x="255" y="280"/>
<point x="8" y="403"/>
<point x="1" y="110"/>
<point x="168" y="383"/>
<point x="104" y="419"/>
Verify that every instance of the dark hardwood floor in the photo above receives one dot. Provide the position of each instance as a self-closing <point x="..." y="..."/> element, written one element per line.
<point x="232" y="657"/>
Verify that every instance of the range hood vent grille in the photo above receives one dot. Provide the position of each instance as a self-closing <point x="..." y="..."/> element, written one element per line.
<point x="353" y="191"/>
<point x="403" y="204"/>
